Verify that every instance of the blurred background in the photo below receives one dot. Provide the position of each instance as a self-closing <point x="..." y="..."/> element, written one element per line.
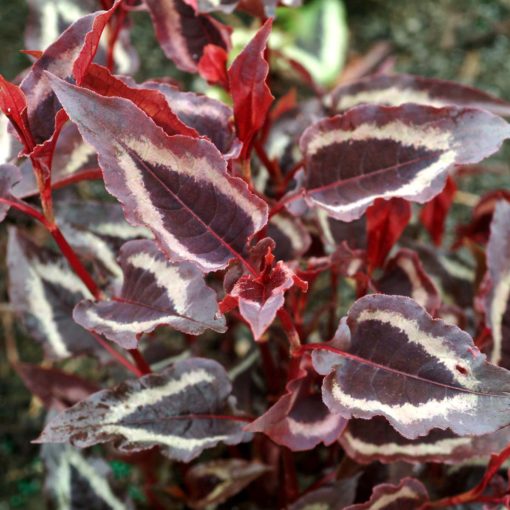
<point x="463" y="40"/>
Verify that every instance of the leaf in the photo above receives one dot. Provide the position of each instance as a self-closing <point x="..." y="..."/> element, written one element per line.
<point x="76" y="482"/>
<point x="299" y="419"/>
<point x="48" y="18"/>
<point x="248" y="85"/>
<point x="155" y="292"/>
<point x="397" y="89"/>
<point x="153" y="103"/>
<point x="404" y="276"/>
<point x="226" y="6"/>
<point x="209" y="117"/>
<point x="497" y="304"/>
<point x="56" y="389"/>
<point x="290" y="235"/>
<point x="43" y="290"/>
<point x="417" y="372"/>
<point x="214" y="482"/>
<point x="67" y="58"/>
<point x="386" y="221"/>
<point x="434" y="213"/>
<point x="183" y="34"/>
<point x="176" y="186"/>
<point x="375" y="152"/>
<point x="175" y="409"/>
<point x="409" y="494"/>
<point x="9" y="176"/>
<point x="260" y="297"/>
<point x="72" y="158"/>
<point x="376" y="440"/>
<point x="212" y="66"/>
<point x="335" y="496"/>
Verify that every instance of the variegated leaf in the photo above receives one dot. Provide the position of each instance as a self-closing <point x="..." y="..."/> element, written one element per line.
<point x="417" y="372"/>
<point x="9" y="176"/>
<point x="497" y="304"/>
<point x="43" y="289"/>
<point x="76" y="482"/>
<point x="409" y="494"/>
<point x="290" y="235"/>
<point x="404" y="276"/>
<point x="397" y="89"/>
<point x="155" y="292"/>
<point x="376" y="440"/>
<point x="180" y="409"/>
<point x="228" y="477"/>
<point x="375" y="152"/>
<point x="72" y="158"/>
<point x="183" y="34"/>
<point x="299" y="419"/>
<point x="66" y="58"/>
<point x="335" y="496"/>
<point x="208" y="116"/>
<point x="173" y="185"/>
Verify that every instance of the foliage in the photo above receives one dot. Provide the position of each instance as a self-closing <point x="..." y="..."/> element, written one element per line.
<point x="244" y="225"/>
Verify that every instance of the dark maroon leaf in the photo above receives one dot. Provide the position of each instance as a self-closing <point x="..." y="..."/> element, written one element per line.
<point x="67" y="58"/>
<point x="183" y="34"/>
<point x="226" y="6"/>
<point x="214" y="482"/>
<point x="299" y="419"/>
<point x="404" y="276"/>
<point x="9" y="176"/>
<point x="386" y="221"/>
<point x="82" y="483"/>
<point x="212" y="66"/>
<point x="375" y="152"/>
<point x="418" y="372"/>
<point x="335" y="496"/>
<point x="397" y="89"/>
<point x="180" y="409"/>
<point x="173" y="185"/>
<point x="155" y="292"/>
<point x="497" y="304"/>
<point x="248" y="86"/>
<point x="206" y="115"/>
<point x="290" y="235"/>
<point x="43" y="290"/>
<point x="434" y="213"/>
<point x="370" y="440"/>
<point x="260" y="297"/>
<point x="410" y="494"/>
<point x="56" y="389"/>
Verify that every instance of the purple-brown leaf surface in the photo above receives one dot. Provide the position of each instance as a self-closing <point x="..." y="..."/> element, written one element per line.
<point x="180" y="409"/>
<point x="176" y="186"/>
<point x="497" y="304"/>
<point x="334" y="496"/>
<point x="373" y="152"/>
<point x="419" y="373"/>
<point x="183" y="34"/>
<point x="9" y="176"/>
<point x="409" y="494"/>
<point x="376" y="440"/>
<point x="397" y="89"/>
<point x="155" y="292"/>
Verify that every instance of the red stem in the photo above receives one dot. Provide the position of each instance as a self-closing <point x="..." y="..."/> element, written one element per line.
<point x="289" y="476"/>
<point x="290" y="330"/>
<point x="272" y="167"/>
<point x="84" y="175"/>
<point x="142" y="365"/>
<point x="281" y="204"/>
<point x="114" y="35"/>
<point x="118" y="356"/>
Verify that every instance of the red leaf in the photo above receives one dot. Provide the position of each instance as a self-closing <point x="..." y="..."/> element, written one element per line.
<point x="212" y="66"/>
<point x="386" y="220"/>
<point x="248" y="85"/>
<point x="14" y="106"/>
<point x="434" y="213"/>
<point x="152" y="102"/>
<point x="183" y="34"/>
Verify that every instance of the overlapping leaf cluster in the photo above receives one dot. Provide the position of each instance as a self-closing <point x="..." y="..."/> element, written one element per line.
<point x="232" y="236"/>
